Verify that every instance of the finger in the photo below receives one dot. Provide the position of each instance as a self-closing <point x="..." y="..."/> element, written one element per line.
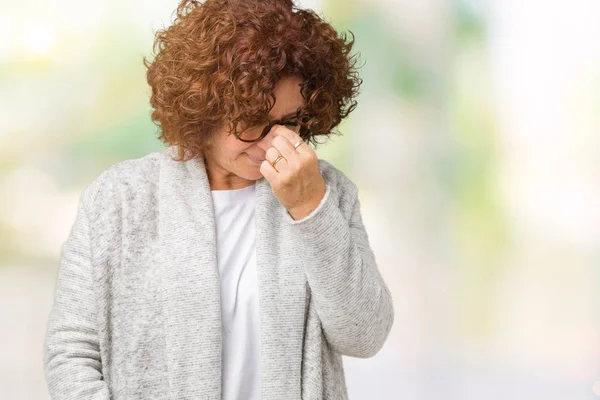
<point x="272" y="155"/>
<point x="284" y="131"/>
<point x="293" y="138"/>
<point x="270" y="173"/>
<point x="303" y="147"/>
<point x="282" y="145"/>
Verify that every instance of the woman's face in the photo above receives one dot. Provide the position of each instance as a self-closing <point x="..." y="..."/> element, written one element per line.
<point x="233" y="164"/>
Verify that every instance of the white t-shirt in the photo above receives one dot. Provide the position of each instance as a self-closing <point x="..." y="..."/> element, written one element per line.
<point x="236" y="257"/>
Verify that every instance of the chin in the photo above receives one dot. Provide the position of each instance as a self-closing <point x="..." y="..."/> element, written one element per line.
<point x="251" y="175"/>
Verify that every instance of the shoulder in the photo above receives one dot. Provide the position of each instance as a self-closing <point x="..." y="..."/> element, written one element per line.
<point x="132" y="179"/>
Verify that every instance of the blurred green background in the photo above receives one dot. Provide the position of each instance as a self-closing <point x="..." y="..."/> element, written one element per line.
<point x="475" y="146"/>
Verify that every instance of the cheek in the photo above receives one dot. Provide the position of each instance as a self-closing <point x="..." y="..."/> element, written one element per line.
<point x="234" y="148"/>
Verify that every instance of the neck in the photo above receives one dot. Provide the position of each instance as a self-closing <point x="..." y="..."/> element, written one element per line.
<point x="221" y="179"/>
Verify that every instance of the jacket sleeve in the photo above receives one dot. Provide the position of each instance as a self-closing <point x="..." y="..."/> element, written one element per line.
<point x="72" y="365"/>
<point x="353" y="302"/>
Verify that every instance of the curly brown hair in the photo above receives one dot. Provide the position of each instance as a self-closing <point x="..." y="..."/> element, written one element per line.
<point x="220" y="60"/>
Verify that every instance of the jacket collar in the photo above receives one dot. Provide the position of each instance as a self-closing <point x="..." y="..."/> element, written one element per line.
<point x="190" y="289"/>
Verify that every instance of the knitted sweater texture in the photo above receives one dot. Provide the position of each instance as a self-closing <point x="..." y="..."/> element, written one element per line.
<point x="136" y="312"/>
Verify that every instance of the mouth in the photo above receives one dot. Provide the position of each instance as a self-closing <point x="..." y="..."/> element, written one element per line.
<point x="254" y="159"/>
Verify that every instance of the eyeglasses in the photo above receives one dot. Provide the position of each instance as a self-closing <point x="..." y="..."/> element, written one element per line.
<point x="296" y="122"/>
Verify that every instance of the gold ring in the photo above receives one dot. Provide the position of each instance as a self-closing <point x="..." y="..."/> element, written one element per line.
<point x="276" y="160"/>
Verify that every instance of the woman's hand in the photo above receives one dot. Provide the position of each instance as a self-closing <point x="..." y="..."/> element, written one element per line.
<point x="295" y="179"/>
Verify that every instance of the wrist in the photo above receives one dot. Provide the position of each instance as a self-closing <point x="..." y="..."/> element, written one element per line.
<point x="304" y="210"/>
<point x="301" y="211"/>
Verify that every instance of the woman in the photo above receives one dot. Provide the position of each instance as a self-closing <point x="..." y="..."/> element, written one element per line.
<point x="234" y="264"/>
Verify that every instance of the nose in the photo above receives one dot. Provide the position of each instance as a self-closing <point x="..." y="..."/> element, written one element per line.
<point x="265" y="142"/>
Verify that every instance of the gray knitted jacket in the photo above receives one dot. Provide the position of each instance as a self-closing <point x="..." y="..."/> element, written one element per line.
<point x="136" y="312"/>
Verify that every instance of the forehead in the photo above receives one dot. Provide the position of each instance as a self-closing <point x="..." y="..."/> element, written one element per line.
<point x="288" y="98"/>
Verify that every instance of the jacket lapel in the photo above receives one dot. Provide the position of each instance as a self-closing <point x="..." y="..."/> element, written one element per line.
<point x="190" y="289"/>
<point x="283" y="297"/>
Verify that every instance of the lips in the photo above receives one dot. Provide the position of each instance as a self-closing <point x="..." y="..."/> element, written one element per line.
<point x="254" y="159"/>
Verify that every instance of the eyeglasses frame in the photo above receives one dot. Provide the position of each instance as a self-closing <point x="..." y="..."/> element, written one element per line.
<point x="296" y="117"/>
